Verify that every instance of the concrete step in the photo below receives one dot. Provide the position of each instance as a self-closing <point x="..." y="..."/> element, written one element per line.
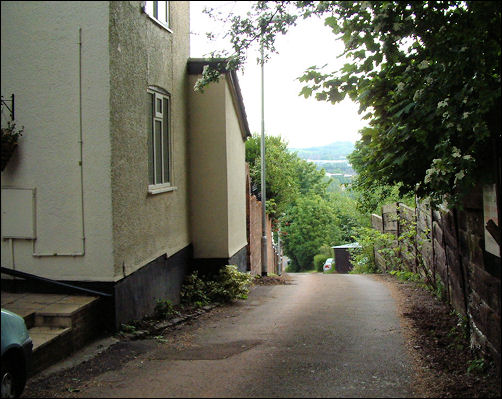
<point x="43" y="336"/>
<point x="50" y="344"/>
<point x="57" y="324"/>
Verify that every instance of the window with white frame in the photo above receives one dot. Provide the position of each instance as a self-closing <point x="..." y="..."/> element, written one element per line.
<point x="159" y="140"/>
<point x="158" y="10"/>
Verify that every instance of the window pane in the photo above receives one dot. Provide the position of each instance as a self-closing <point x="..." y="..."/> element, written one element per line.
<point x="158" y="151"/>
<point x="150" y="138"/>
<point x="149" y="8"/>
<point x="162" y="11"/>
<point x="155" y="9"/>
<point x="165" y="143"/>
<point x="159" y="106"/>
<point x="167" y="13"/>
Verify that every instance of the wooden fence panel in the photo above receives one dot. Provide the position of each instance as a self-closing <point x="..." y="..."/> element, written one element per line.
<point x="377" y="222"/>
<point x="450" y="245"/>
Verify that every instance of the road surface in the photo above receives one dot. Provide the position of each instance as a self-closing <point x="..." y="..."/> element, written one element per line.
<point x="324" y="335"/>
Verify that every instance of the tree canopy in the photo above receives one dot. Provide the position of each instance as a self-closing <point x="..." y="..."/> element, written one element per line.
<point x="425" y="74"/>
<point x="297" y="198"/>
<point x="287" y="176"/>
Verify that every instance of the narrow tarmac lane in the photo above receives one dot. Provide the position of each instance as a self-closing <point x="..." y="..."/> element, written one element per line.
<point x="322" y="336"/>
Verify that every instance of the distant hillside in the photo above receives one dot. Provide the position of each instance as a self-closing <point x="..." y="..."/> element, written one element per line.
<point x="334" y="151"/>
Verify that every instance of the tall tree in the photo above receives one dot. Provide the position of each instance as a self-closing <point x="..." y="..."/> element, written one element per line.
<point x="426" y="74"/>
<point x="307" y="225"/>
<point x="287" y="176"/>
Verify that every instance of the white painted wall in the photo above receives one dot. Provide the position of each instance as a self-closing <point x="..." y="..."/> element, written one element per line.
<point x="40" y="65"/>
<point x="208" y="173"/>
<point x="218" y="179"/>
<point x="236" y="177"/>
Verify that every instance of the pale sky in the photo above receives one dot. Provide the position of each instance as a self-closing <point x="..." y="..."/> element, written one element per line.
<point x="301" y="122"/>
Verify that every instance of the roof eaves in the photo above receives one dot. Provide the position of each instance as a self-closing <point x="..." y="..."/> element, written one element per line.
<point x="195" y="66"/>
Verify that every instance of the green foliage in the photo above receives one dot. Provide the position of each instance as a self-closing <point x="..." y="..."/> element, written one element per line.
<point x="349" y="216"/>
<point x="476" y="366"/>
<point x="193" y="291"/>
<point x="307" y="225"/>
<point x="229" y="284"/>
<point x="127" y="328"/>
<point x="371" y="240"/>
<point x="287" y="176"/>
<point x="327" y="251"/>
<point x="425" y="74"/>
<point x="309" y="216"/>
<point x="9" y="138"/>
<point x="10" y="133"/>
<point x="164" y="309"/>
<point x="319" y="261"/>
<point x="225" y="286"/>
<point x="411" y="243"/>
<point x="371" y="199"/>
<point x="404" y="275"/>
<point x="439" y="290"/>
<point x="459" y="334"/>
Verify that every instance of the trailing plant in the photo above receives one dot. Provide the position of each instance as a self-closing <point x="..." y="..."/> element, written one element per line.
<point x="412" y="242"/>
<point x="459" y="333"/>
<point x="9" y="138"/>
<point x="371" y="240"/>
<point x="438" y="289"/>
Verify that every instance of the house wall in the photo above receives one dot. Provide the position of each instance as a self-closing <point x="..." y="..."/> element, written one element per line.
<point x="236" y="178"/>
<point x="41" y="65"/>
<point x="208" y="171"/>
<point x="146" y="226"/>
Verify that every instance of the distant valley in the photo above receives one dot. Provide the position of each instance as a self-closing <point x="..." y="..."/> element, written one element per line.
<point x="331" y="157"/>
<point x="331" y="152"/>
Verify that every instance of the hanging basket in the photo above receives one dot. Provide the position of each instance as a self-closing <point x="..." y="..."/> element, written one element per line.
<point x="8" y="149"/>
<point x="9" y="139"/>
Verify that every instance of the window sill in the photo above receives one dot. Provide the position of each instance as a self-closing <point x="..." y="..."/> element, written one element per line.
<point x="162" y="25"/>
<point x="160" y="188"/>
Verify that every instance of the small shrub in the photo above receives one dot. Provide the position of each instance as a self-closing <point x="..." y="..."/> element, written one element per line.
<point x="165" y="309"/>
<point x="226" y="285"/>
<point x="194" y="291"/>
<point x="127" y="328"/>
<point x="319" y="261"/>
<point x="406" y="275"/>
<point x="476" y="366"/>
<point x="363" y="258"/>
<point x="229" y="284"/>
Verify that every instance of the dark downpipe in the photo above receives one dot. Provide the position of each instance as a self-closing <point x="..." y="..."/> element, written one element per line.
<point x="29" y="276"/>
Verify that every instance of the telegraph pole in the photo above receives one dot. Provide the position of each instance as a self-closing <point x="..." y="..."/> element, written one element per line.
<point x="263" y="190"/>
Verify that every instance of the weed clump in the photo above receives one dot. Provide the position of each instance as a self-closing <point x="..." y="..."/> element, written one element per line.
<point x="226" y="285"/>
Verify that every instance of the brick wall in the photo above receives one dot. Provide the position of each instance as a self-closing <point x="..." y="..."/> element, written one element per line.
<point x="254" y="221"/>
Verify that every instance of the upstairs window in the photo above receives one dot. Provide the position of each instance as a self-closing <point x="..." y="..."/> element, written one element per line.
<point x="159" y="11"/>
<point x="159" y="141"/>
